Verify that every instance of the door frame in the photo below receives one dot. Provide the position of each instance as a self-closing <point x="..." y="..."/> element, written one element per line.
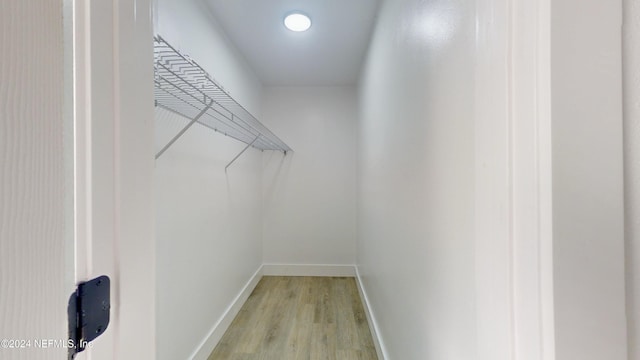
<point x="527" y="227"/>
<point x="514" y="240"/>
<point x="113" y="137"/>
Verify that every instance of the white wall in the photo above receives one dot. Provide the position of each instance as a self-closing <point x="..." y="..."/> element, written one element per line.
<point x="209" y="222"/>
<point x="588" y="215"/>
<point x="631" y="37"/>
<point x="310" y="195"/>
<point x="415" y="250"/>
<point x="190" y="26"/>
<point x="209" y="232"/>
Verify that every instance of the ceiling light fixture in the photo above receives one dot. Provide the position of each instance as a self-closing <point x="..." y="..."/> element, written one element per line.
<point x="297" y="21"/>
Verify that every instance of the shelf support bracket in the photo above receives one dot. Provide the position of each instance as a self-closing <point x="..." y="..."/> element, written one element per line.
<point x="241" y="152"/>
<point x="193" y="121"/>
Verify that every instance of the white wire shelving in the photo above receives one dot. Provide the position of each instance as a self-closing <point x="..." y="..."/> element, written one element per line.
<point x="184" y="88"/>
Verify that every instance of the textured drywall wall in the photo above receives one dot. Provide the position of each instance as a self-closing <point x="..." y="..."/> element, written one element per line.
<point x="310" y="195"/>
<point x="209" y="223"/>
<point x="415" y="249"/>
<point x="631" y="66"/>
<point x="208" y="226"/>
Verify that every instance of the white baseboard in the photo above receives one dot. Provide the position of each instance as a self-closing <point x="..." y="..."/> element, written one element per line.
<point x="373" y="325"/>
<point x="308" y="270"/>
<point x="209" y="343"/>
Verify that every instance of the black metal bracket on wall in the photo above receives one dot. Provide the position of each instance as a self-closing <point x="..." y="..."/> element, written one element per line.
<point x="88" y="313"/>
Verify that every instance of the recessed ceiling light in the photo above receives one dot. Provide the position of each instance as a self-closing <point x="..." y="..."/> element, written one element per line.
<point x="297" y="21"/>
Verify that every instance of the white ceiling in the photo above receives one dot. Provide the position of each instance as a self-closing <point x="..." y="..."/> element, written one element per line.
<point x="330" y="53"/>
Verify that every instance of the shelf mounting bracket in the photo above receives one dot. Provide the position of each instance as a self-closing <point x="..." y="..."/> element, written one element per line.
<point x="193" y="121"/>
<point x="241" y="152"/>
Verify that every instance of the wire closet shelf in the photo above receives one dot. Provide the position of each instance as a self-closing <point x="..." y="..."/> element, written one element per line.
<point x="184" y="88"/>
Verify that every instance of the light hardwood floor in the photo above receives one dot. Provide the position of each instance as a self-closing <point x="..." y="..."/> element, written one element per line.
<point x="286" y="318"/>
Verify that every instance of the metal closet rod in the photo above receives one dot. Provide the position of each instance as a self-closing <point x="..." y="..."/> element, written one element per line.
<point x="183" y="87"/>
<point x="180" y="66"/>
<point x="191" y="68"/>
<point x="247" y="128"/>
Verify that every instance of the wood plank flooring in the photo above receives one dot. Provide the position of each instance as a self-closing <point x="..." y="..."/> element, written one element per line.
<point x="299" y="318"/>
